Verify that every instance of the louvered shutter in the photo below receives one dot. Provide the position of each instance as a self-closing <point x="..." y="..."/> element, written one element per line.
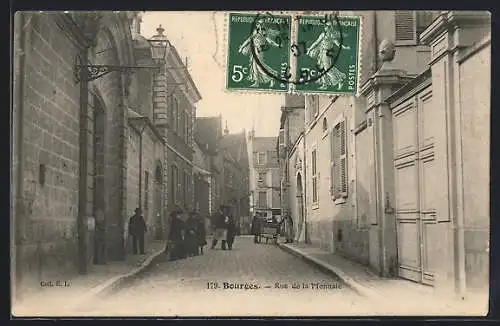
<point x="332" y="161"/>
<point x="314" y="176"/>
<point x="405" y="25"/>
<point x="343" y="159"/>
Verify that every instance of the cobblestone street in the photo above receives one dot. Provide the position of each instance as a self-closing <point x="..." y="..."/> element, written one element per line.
<point x="182" y="287"/>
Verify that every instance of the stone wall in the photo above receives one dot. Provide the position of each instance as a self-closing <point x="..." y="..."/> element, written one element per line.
<point x="50" y="149"/>
<point x="151" y="157"/>
<point x="475" y="116"/>
<point x="332" y="224"/>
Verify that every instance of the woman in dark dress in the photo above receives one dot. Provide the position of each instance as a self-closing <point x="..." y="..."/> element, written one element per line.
<point x="191" y="239"/>
<point x="201" y="233"/>
<point x="176" y="238"/>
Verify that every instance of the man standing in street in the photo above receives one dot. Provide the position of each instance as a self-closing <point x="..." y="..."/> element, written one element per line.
<point x="137" y="228"/>
<point x="231" y="232"/>
<point x="255" y="229"/>
<point x="220" y="223"/>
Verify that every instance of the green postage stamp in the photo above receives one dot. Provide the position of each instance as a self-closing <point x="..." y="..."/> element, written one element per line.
<point x="258" y="52"/>
<point x="299" y="54"/>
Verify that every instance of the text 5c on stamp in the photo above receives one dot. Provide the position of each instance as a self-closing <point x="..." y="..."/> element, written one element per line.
<point x="258" y="50"/>
<point x="329" y="62"/>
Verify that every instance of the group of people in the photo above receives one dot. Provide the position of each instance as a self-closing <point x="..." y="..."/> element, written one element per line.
<point x="187" y="233"/>
<point x="187" y="236"/>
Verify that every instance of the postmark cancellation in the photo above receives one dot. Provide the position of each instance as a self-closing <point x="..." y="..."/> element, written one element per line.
<point x="293" y="53"/>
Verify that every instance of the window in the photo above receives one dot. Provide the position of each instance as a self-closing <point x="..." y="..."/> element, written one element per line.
<point x="282" y="137"/>
<point x="261" y="158"/>
<point x="313" y="107"/>
<point x="186" y="187"/>
<point x="174" y="184"/>
<point x="338" y="161"/>
<point x="174" y="113"/>
<point x="262" y="199"/>
<point x="314" y="176"/>
<point x="262" y="179"/>
<point x="325" y="125"/>
<point x="177" y="117"/>
<point x="186" y="128"/>
<point x="146" y="190"/>
<point x="410" y="24"/>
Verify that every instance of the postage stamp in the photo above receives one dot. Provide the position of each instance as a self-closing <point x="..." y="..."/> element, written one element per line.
<point x="258" y="52"/>
<point x="327" y="54"/>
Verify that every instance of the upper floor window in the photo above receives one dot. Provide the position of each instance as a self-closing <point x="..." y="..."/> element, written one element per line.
<point x="262" y="178"/>
<point x="338" y="161"/>
<point x="174" y="184"/>
<point x="314" y="163"/>
<point x="262" y="199"/>
<point x="186" y="127"/>
<point x="281" y="138"/>
<point x="174" y="113"/>
<point x="410" y="24"/>
<point x="313" y="107"/>
<point x="261" y="158"/>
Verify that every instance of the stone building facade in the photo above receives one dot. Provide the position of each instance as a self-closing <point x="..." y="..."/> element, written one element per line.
<point x="69" y="145"/>
<point x="88" y="151"/>
<point x="208" y="134"/>
<point x="202" y="180"/>
<point x="227" y="161"/>
<point x="235" y="171"/>
<point x="383" y="183"/>
<point x="264" y="176"/>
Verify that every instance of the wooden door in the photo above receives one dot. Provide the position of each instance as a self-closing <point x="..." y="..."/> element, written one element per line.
<point x="420" y="180"/>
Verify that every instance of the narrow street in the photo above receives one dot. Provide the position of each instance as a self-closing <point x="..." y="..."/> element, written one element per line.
<point x="181" y="288"/>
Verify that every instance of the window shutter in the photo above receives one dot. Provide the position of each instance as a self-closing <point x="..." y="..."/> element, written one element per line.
<point x="315" y="106"/>
<point x="332" y="162"/>
<point x="405" y="25"/>
<point x="343" y="159"/>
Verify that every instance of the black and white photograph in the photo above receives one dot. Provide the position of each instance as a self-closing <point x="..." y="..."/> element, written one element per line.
<point x="250" y="163"/>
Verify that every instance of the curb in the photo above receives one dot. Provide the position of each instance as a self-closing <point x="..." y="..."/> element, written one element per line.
<point x="116" y="282"/>
<point x="330" y="269"/>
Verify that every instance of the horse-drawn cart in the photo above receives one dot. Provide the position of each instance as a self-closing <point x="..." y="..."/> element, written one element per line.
<point x="269" y="231"/>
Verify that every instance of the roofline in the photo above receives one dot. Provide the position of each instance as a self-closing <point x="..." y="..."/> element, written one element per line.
<point x="149" y="124"/>
<point x="177" y="56"/>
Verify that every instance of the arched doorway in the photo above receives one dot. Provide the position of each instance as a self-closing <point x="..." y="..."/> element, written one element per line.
<point x="300" y="210"/>
<point x="99" y="167"/>
<point x="158" y="202"/>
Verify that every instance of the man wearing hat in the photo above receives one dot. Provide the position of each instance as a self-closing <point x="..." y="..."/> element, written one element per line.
<point x="137" y="228"/>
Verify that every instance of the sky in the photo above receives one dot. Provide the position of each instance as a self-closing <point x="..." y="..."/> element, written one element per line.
<point x="200" y="36"/>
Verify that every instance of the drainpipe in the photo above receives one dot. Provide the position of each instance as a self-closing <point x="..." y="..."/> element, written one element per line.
<point x="18" y="122"/>
<point x="304" y="188"/>
<point x="140" y="167"/>
<point x="379" y="214"/>
<point x="375" y="41"/>
<point x="83" y="168"/>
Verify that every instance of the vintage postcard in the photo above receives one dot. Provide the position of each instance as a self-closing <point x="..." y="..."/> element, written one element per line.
<point x="260" y="163"/>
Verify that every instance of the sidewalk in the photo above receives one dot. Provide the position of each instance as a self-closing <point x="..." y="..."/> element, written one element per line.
<point x="399" y="296"/>
<point x="80" y="289"/>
